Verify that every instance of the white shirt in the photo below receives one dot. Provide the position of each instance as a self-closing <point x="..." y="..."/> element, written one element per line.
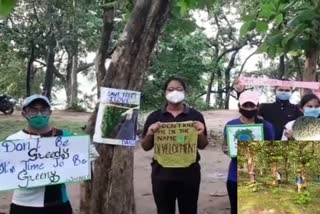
<point x="288" y="128"/>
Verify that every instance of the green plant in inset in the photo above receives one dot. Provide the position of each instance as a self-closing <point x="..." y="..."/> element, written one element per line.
<point x="111" y="119"/>
<point x="303" y="198"/>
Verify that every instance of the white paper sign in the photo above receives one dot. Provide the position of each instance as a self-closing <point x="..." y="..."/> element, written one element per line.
<point x="117" y="117"/>
<point x="43" y="161"/>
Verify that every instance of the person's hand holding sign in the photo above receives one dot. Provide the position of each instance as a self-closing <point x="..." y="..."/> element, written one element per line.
<point x="202" y="138"/>
<point x="199" y="126"/>
<point x="225" y="148"/>
<point x="153" y="128"/>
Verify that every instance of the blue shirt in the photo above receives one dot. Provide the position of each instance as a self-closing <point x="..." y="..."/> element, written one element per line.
<point x="269" y="134"/>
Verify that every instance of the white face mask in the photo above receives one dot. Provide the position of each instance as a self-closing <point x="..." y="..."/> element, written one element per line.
<point x="175" y="97"/>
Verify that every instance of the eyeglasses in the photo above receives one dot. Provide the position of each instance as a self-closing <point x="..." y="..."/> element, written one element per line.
<point x="34" y="111"/>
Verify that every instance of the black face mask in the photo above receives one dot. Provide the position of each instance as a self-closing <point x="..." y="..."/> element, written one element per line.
<point x="248" y="113"/>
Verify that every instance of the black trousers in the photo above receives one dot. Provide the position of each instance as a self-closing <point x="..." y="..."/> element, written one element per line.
<point x="58" y="209"/>
<point x="166" y="193"/>
<point x="233" y="196"/>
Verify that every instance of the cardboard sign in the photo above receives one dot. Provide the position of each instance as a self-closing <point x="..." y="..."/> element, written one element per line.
<point x="43" y="161"/>
<point x="235" y="133"/>
<point x="175" y="144"/>
<point x="117" y="117"/>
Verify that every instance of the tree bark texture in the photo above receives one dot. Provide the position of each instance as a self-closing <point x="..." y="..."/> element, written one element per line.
<point x="111" y="191"/>
<point x="310" y="67"/>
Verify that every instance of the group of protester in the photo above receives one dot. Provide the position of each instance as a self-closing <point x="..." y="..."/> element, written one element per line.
<point x="277" y="119"/>
<point x="168" y="184"/>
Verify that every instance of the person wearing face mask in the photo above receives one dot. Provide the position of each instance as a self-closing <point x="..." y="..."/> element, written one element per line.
<point x="50" y="199"/>
<point x="248" y="108"/>
<point x="281" y="111"/>
<point x="175" y="184"/>
<point x="310" y="106"/>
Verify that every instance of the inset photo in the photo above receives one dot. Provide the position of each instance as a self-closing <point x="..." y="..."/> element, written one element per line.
<point x="278" y="177"/>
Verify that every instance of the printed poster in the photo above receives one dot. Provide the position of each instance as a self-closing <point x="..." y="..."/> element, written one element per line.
<point x="235" y="133"/>
<point x="175" y="144"/>
<point x="117" y="118"/>
<point x="44" y="161"/>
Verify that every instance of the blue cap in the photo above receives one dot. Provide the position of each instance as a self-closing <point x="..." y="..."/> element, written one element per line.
<point x="27" y="101"/>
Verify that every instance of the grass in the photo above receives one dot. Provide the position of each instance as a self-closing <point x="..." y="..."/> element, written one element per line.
<point x="9" y="126"/>
<point x="280" y="200"/>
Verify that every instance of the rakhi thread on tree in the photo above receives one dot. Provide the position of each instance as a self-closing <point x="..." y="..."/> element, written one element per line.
<point x="315" y="86"/>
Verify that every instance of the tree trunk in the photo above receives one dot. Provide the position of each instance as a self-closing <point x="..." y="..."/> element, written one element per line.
<point x="310" y="67"/>
<point x="227" y="78"/>
<point x="274" y="174"/>
<point x="74" y="82"/>
<point x="68" y="78"/>
<point x="250" y="164"/>
<point x="282" y="67"/>
<point x="210" y="84"/>
<point x="219" y="98"/>
<point x="50" y="71"/>
<point x="30" y="70"/>
<point x="112" y="186"/>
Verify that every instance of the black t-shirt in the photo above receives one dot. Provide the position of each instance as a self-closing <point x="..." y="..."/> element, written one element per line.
<point x="279" y="114"/>
<point x="161" y="115"/>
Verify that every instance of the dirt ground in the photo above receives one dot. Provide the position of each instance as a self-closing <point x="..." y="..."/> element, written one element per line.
<point x="213" y="197"/>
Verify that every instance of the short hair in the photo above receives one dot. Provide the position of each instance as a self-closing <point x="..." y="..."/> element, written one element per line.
<point x="181" y="81"/>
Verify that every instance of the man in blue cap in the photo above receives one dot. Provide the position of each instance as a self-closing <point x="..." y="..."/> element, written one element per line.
<point x="51" y="199"/>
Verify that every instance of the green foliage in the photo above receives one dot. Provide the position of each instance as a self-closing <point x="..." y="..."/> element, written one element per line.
<point x="6" y="6"/>
<point x="291" y="26"/>
<point x="180" y="53"/>
<point x="303" y="198"/>
<point x="111" y="119"/>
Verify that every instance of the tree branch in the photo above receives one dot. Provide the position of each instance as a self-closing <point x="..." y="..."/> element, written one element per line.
<point x="84" y="67"/>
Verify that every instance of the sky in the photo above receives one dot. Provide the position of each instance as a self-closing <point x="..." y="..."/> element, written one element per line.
<point x="201" y="17"/>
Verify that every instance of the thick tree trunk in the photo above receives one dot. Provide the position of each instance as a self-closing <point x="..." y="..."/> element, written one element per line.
<point x="310" y="67"/>
<point x="112" y="187"/>
<point x="49" y="72"/>
<point x="30" y="70"/>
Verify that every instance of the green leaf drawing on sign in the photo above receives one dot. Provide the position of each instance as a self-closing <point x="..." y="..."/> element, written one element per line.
<point x="181" y="139"/>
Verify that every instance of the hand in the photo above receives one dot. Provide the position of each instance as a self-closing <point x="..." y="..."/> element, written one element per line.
<point x="199" y="126"/>
<point x="153" y="128"/>
<point x="288" y="134"/>
<point x="225" y="149"/>
<point x="238" y="87"/>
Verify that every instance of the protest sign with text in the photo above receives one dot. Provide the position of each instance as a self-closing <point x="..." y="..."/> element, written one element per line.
<point x="245" y="132"/>
<point x="117" y="117"/>
<point x="175" y="144"/>
<point x="44" y="161"/>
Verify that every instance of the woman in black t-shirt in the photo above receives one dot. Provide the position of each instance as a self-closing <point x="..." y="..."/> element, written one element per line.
<point x="175" y="183"/>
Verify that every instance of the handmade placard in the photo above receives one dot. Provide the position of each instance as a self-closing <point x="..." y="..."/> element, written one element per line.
<point x="245" y="132"/>
<point x="43" y="161"/>
<point x="117" y="117"/>
<point x="175" y="144"/>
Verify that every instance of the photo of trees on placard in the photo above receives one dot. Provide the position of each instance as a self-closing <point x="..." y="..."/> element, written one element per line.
<point x="117" y="125"/>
